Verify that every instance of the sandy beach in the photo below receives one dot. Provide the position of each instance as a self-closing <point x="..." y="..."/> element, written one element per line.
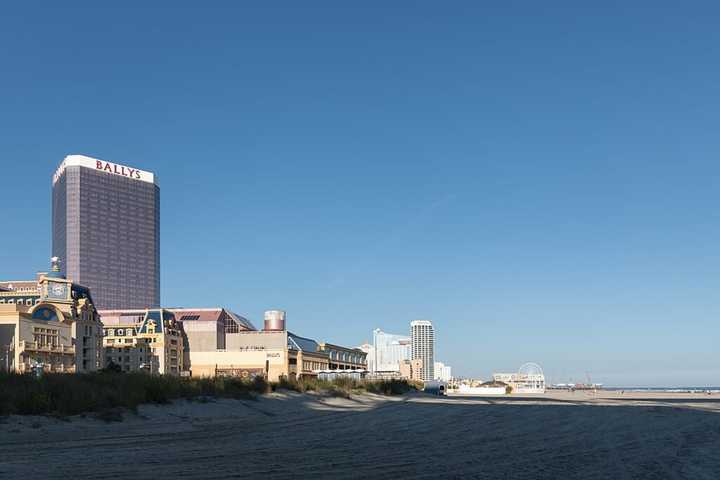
<point x="288" y="435"/>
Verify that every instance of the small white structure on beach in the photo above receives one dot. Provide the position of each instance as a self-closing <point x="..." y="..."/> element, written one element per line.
<point x="528" y="379"/>
<point x="465" y="389"/>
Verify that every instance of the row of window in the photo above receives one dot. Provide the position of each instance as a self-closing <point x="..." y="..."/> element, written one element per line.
<point x="345" y="357"/>
<point x="20" y="301"/>
<point x="24" y="289"/>
<point x="309" y="365"/>
<point x="120" y="340"/>
<point x="46" y="336"/>
<point x="110" y="350"/>
<point x="119" y="332"/>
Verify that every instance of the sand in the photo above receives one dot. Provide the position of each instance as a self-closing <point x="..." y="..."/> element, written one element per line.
<point x="558" y="435"/>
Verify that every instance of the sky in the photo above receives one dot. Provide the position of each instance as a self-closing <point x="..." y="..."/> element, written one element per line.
<point x="539" y="179"/>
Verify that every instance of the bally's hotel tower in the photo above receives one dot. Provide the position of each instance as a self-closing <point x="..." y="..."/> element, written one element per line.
<point x="106" y="231"/>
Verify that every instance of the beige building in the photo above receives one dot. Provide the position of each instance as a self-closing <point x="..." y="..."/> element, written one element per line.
<point x="249" y="353"/>
<point x="222" y="343"/>
<point x="49" y="324"/>
<point x="143" y="340"/>
<point x="412" y="369"/>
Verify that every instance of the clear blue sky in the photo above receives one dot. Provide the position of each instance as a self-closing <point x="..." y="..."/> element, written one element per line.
<point x="539" y="179"/>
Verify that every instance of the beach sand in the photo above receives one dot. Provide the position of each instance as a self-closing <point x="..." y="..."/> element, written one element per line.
<point x="288" y="435"/>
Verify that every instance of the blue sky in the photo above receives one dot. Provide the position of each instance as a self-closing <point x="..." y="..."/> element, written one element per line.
<point x="539" y="179"/>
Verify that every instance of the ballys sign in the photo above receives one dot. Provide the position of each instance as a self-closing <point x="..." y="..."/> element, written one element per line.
<point x="117" y="169"/>
<point x="103" y="166"/>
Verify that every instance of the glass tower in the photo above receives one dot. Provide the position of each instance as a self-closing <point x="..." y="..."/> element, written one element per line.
<point x="106" y="231"/>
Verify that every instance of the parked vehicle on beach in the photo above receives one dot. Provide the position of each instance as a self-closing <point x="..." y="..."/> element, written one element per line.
<point x="435" y="387"/>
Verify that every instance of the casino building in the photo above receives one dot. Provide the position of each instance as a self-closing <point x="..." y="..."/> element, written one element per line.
<point x="106" y="228"/>
<point x="49" y="324"/>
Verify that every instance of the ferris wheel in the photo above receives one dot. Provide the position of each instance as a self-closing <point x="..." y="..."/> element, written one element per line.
<point x="531" y="370"/>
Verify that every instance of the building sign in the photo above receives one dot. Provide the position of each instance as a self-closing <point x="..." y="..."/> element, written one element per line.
<point x="240" y="372"/>
<point x="103" y="166"/>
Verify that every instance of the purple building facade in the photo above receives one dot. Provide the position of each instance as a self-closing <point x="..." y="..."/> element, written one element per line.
<point x="106" y="231"/>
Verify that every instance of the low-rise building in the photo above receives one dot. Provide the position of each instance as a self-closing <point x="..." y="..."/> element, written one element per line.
<point x="528" y="379"/>
<point x="412" y="370"/>
<point x="343" y="358"/>
<point x="49" y="324"/>
<point x="143" y="340"/>
<point x="250" y="353"/>
<point x="216" y="349"/>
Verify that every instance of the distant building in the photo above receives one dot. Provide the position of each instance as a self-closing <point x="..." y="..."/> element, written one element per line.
<point x="369" y="352"/>
<point x="389" y="350"/>
<point x="443" y="372"/>
<point x="151" y="341"/>
<point x="423" y="346"/>
<point x="106" y="230"/>
<point x="49" y="324"/>
<point x="412" y="370"/>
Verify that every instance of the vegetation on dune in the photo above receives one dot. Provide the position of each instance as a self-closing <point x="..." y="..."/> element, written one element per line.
<point x="63" y="394"/>
<point x="344" y="386"/>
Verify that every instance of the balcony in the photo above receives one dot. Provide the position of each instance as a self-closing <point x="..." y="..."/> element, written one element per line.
<point x="36" y="347"/>
<point x="48" y="368"/>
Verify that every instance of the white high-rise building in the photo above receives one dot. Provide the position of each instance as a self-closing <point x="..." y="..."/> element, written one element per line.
<point x="443" y="372"/>
<point x="423" y="346"/>
<point x="389" y="351"/>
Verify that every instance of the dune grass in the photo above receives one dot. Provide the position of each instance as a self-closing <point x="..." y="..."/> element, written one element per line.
<point x="344" y="386"/>
<point x="67" y="394"/>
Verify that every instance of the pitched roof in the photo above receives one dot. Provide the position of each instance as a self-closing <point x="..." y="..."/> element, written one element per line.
<point x="212" y="315"/>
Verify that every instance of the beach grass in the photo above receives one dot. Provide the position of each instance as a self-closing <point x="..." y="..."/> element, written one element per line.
<point x="72" y="394"/>
<point x="344" y="386"/>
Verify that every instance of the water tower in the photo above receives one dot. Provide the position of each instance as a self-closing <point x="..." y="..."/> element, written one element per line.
<point x="275" y="320"/>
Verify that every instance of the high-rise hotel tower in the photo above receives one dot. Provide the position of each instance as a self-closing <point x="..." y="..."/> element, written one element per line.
<point x="423" y="346"/>
<point x="106" y="231"/>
